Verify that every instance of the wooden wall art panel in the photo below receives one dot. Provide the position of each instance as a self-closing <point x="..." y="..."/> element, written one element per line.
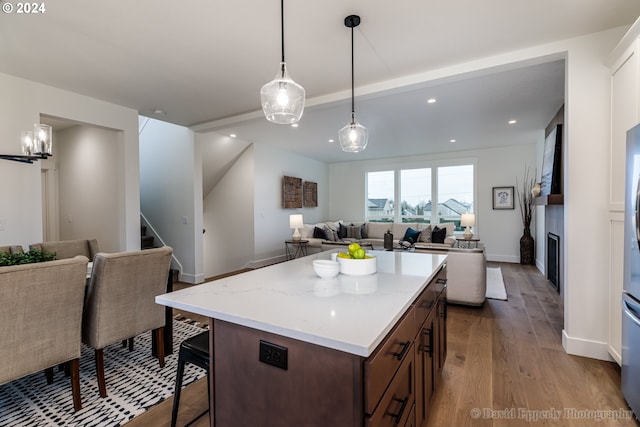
<point x="310" y="194"/>
<point x="291" y="192"/>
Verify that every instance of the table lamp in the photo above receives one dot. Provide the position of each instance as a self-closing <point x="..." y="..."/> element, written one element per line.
<point x="295" y="222"/>
<point x="468" y="220"/>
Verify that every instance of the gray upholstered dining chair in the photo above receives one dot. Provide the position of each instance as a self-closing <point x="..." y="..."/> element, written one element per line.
<point x="42" y="317"/>
<point x="13" y="249"/>
<point x="120" y="301"/>
<point x="69" y="248"/>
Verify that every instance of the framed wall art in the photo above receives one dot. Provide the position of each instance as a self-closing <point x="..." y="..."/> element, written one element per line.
<point x="291" y="192"/>
<point x="503" y="198"/>
<point x="310" y="192"/>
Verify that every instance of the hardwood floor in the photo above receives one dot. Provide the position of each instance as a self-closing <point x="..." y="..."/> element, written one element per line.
<point x="505" y="367"/>
<point x="505" y="363"/>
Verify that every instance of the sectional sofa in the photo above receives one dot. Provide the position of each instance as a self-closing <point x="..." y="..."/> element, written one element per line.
<point x="344" y="232"/>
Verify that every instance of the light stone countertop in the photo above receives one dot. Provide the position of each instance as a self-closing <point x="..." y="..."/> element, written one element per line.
<point x="348" y="313"/>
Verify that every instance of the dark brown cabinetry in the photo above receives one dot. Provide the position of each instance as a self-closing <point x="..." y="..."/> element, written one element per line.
<point x="393" y="387"/>
<point x="430" y="344"/>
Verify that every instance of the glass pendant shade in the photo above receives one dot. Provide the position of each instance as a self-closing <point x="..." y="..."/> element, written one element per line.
<point x="27" y="143"/>
<point x="42" y="139"/>
<point x="282" y="99"/>
<point x="353" y="137"/>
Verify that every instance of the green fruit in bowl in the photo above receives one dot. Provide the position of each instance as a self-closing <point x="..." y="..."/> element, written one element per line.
<point x="353" y="247"/>
<point x="344" y="255"/>
<point x="359" y="254"/>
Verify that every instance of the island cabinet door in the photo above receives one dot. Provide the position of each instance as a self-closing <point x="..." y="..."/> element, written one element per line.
<point x="316" y="386"/>
<point x="425" y="366"/>
<point x="396" y="406"/>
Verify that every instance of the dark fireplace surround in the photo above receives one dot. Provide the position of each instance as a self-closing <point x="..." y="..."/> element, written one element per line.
<point x="553" y="260"/>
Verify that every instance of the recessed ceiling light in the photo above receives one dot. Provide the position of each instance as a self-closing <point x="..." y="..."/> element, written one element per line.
<point x="513" y="122"/>
<point x="232" y="135"/>
<point x="331" y="140"/>
<point x="452" y="140"/>
<point x="295" y="125"/>
<point x="159" y="112"/>
<point x="431" y="101"/>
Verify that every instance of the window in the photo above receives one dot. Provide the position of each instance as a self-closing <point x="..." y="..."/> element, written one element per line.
<point x="380" y="196"/>
<point x="455" y="193"/>
<point x="436" y="194"/>
<point x="415" y="192"/>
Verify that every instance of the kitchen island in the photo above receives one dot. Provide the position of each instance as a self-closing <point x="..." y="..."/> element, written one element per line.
<point x="291" y="349"/>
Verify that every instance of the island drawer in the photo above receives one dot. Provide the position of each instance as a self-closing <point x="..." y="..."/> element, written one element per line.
<point x="380" y="367"/>
<point x="396" y="405"/>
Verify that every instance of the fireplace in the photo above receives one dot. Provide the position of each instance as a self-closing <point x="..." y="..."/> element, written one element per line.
<point x="553" y="260"/>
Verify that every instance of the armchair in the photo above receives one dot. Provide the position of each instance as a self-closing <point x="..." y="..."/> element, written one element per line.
<point x="466" y="276"/>
<point x="42" y="316"/>
<point x="120" y="301"/>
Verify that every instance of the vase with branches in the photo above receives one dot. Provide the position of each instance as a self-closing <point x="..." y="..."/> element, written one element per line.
<point x="525" y="201"/>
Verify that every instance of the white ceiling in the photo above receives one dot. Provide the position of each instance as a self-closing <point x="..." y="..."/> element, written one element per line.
<point x="205" y="60"/>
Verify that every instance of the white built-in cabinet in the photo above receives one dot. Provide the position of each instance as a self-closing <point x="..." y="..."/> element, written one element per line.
<point x="625" y="96"/>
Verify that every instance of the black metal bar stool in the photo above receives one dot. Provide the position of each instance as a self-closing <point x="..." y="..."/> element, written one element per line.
<point x="192" y="350"/>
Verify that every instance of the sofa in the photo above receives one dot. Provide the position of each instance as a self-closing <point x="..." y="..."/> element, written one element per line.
<point x="324" y="235"/>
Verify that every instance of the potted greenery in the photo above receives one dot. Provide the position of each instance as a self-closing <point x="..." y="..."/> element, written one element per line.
<point x="525" y="201"/>
<point x="29" y="257"/>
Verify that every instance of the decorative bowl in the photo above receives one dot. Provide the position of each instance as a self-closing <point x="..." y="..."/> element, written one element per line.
<point x="358" y="267"/>
<point x="325" y="268"/>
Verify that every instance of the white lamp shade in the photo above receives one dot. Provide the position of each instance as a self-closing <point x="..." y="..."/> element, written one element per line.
<point x="468" y="220"/>
<point x="353" y="137"/>
<point x="282" y="99"/>
<point x="296" y="221"/>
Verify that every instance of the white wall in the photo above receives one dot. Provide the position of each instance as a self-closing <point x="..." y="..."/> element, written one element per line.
<point x="587" y="194"/>
<point x="21" y="104"/>
<point x="86" y="157"/>
<point x="169" y="181"/>
<point x="228" y="219"/>
<point x="499" y="230"/>
<point x="271" y="221"/>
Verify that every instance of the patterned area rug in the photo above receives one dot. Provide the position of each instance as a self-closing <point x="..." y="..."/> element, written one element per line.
<point x="135" y="383"/>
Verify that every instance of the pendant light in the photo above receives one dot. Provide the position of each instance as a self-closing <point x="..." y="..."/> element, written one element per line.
<point x="353" y="137"/>
<point x="282" y="98"/>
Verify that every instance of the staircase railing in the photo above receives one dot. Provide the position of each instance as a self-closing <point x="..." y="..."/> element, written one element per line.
<point x="174" y="261"/>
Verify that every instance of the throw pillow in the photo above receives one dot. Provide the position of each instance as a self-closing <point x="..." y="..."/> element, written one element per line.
<point x="425" y="233"/>
<point x="438" y="234"/>
<point x="354" y="232"/>
<point x="363" y="230"/>
<point x="332" y="235"/>
<point x="342" y="231"/>
<point x="411" y="235"/>
<point x="319" y="233"/>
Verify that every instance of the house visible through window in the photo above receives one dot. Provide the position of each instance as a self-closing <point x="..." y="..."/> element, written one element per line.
<point x="380" y="196"/>
<point x="436" y="194"/>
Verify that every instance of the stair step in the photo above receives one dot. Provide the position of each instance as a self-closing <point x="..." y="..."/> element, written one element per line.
<point x="146" y="242"/>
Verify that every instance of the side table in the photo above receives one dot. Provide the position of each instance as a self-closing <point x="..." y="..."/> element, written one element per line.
<point x="461" y="242"/>
<point x="295" y="248"/>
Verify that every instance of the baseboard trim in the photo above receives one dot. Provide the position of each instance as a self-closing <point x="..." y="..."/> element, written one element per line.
<point x="586" y="348"/>
<point x="193" y="279"/>
<point x="265" y="262"/>
<point x="503" y="258"/>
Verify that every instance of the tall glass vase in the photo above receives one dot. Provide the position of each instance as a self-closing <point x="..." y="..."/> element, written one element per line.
<point x="527" y="249"/>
